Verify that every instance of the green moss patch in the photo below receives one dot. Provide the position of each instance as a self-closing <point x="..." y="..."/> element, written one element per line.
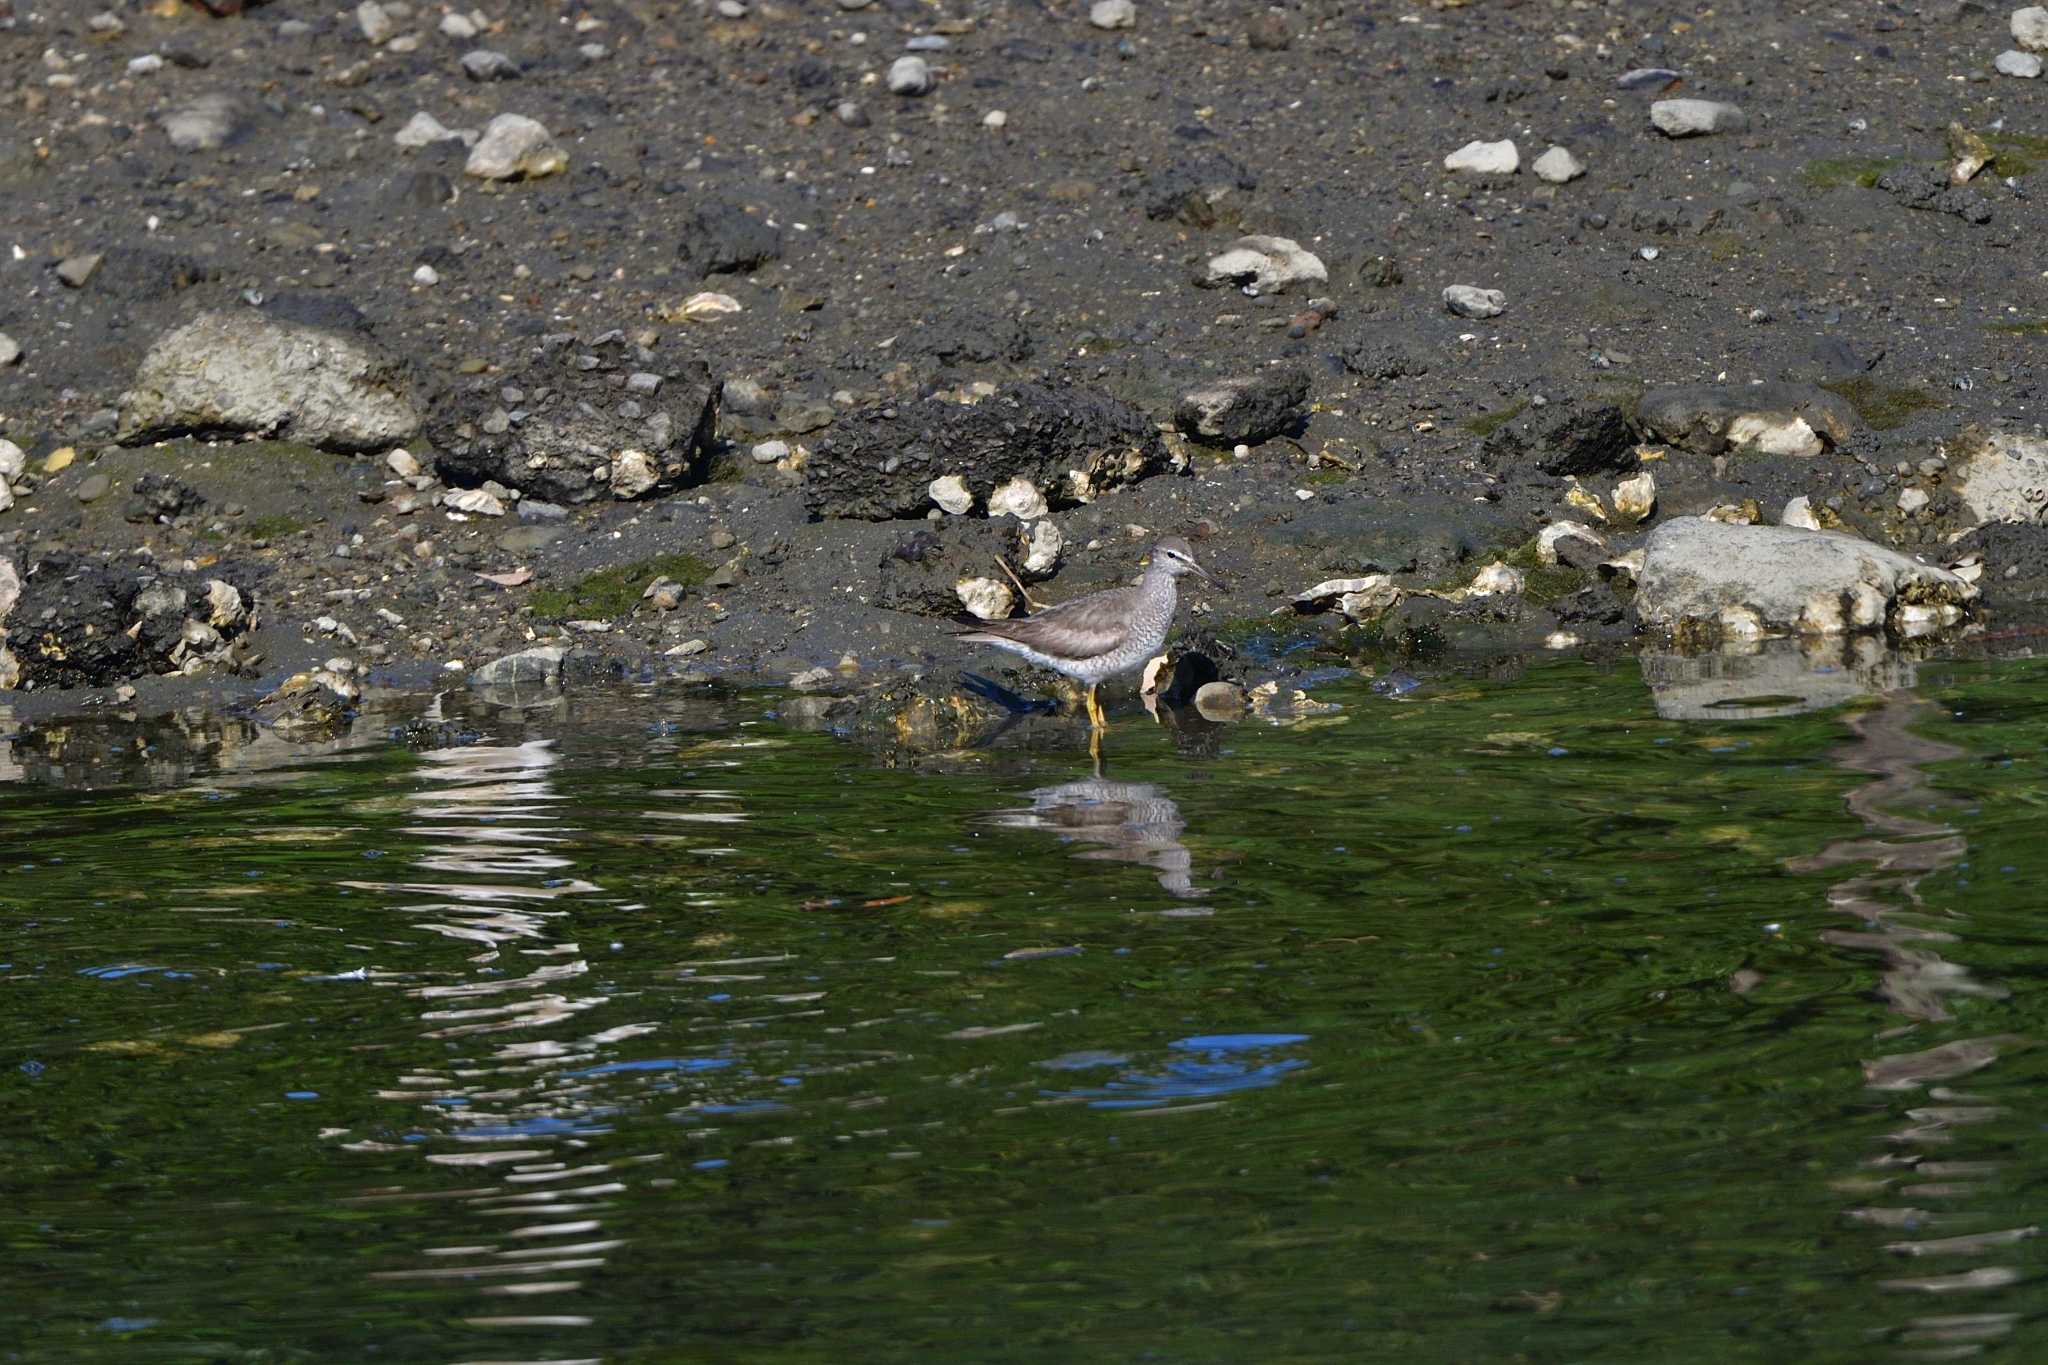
<point x="2018" y="153"/>
<point x="1835" y="172"/>
<point x="1486" y="423"/>
<point x="2032" y="327"/>
<point x="614" y="592"/>
<point x="1882" y="406"/>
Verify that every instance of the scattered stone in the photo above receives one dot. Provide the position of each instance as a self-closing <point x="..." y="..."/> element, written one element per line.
<point x="1923" y="187"/>
<point x="988" y="599"/>
<point x="1019" y="498"/>
<point x="994" y="119"/>
<point x="1912" y="500"/>
<point x="1044" y="544"/>
<point x="317" y="702"/>
<point x="2025" y="65"/>
<point x="1697" y="118"/>
<point x="910" y="75"/>
<point x="1070" y="442"/>
<point x="529" y="667"/>
<point x="514" y="147"/>
<point x="249" y="372"/>
<point x="74" y="271"/>
<point x="1573" y="544"/>
<point x="476" y="501"/>
<point x="483" y="64"/>
<point x="851" y="114"/>
<point x="206" y="124"/>
<point x="424" y="130"/>
<point x="1470" y="301"/>
<point x="952" y="494"/>
<point x="2001" y="476"/>
<point x="1495" y="580"/>
<point x="664" y="594"/>
<point x="377" y="25"/>
<point x="770" y="452"/>
<point x="1647" y="78"/>
<point x="572" y="419"/>
<point x="159" y="498"/>
<point x="1115" y="14"/>
<point x="1269" y="31"/>
<point x="1585" y="500"/>
<point x="93" y="488"/>
<point x="1558" y="166"/>
<point x="13" y="461"/>
<point x="1705" y="577"/>
<point x="460" y="27"/>
<point x="426" y="276"/>
<point x="1269" y="265"/>
<point x="10" y="351"/>
<point x="1359" y="599"/>
<point x="1775" y="419"/>
<point x="634" y="473"/>
<point x="1220" y="701"/>
<point x="721" y="238"/>
<point x="10" y="589"/>
<point x="1249" y="409"/>
<point x="1635" y="498"/>
<point x="1798" y="514"/>
<point x="704" y="306"/>
<point x="1485" y="158"/>
<point x="2030" y="28"/>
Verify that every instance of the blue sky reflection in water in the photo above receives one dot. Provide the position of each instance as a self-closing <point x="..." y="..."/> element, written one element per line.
<point x="1551" y="1018"/>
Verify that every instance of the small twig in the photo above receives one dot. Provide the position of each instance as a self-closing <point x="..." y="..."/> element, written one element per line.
<point x="1022" y="591"/>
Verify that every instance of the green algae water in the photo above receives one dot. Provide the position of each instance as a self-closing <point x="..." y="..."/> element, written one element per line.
<point x="1585" y="1014"/>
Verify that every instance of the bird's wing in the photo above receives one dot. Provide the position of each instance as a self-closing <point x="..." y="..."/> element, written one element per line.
<point x="1083" y="628"/>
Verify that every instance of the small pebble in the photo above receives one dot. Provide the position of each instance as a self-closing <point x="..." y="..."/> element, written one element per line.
<point x="910" y="76"/>
<point x="1113" y="14"/>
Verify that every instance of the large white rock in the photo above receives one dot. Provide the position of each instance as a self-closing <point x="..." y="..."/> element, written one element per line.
<point x="424" y="130"/>
<point x="1635" y="498"/>
<point x="13" y="460"/>
<point x="1485" y="158"/>
<point x="910" y="75"/>
<point x="2025" y="65"/>
<point x="245" y="371"/>
<point x="1696" y="118"/>
<point x="515" y="147"/>
<point x="1043" y="548"/>
<point x="2030" y="28"/>
<point x="1270" y="265"/>
<point x="10" y="588"/>
<point x="2003" y="475"/>
<point x="633" y="473"/>
<point x="1701" y="572"/>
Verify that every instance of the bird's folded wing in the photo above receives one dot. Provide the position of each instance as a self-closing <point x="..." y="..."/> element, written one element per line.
<point x="1081" y="629"/>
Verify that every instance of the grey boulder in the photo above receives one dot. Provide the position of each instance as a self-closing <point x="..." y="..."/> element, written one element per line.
<point x="1251" y="409"/>
<point x="1710" y="578"/>
<point x="249" y="373"/>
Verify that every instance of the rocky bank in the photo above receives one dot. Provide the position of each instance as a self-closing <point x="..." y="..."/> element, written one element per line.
<point x="689" y="339"/>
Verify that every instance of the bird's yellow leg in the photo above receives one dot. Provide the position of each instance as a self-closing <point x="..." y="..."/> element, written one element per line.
<point x="1095" y="716"/>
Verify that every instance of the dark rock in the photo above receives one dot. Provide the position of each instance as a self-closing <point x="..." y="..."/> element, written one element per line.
<point x="1566" y="438"/>
<point x="1269" y="32"/>
<point x="722" y="238"/>
<point x="1071" y="442"/>
<point x="1250" y="409"/>
<point x="567" y="425"/>
<point x="975" y="339"/>
<point x="1923" y="187"/>
<point x="1382" y="357"/>
<point x="1200" y="191"/>
<point x="920" y="573"/>
<point x="159" y="497"/>
<point x="86" y="623"/>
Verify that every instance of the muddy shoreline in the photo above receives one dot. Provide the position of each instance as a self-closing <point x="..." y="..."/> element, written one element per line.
<point x="675" y="400"/>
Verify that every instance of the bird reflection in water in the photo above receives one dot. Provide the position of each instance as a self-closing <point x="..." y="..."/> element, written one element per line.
<point x="1119" y="822"/>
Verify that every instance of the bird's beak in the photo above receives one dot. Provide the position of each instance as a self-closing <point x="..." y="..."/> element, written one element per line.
<point x="1212" y="579"/>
